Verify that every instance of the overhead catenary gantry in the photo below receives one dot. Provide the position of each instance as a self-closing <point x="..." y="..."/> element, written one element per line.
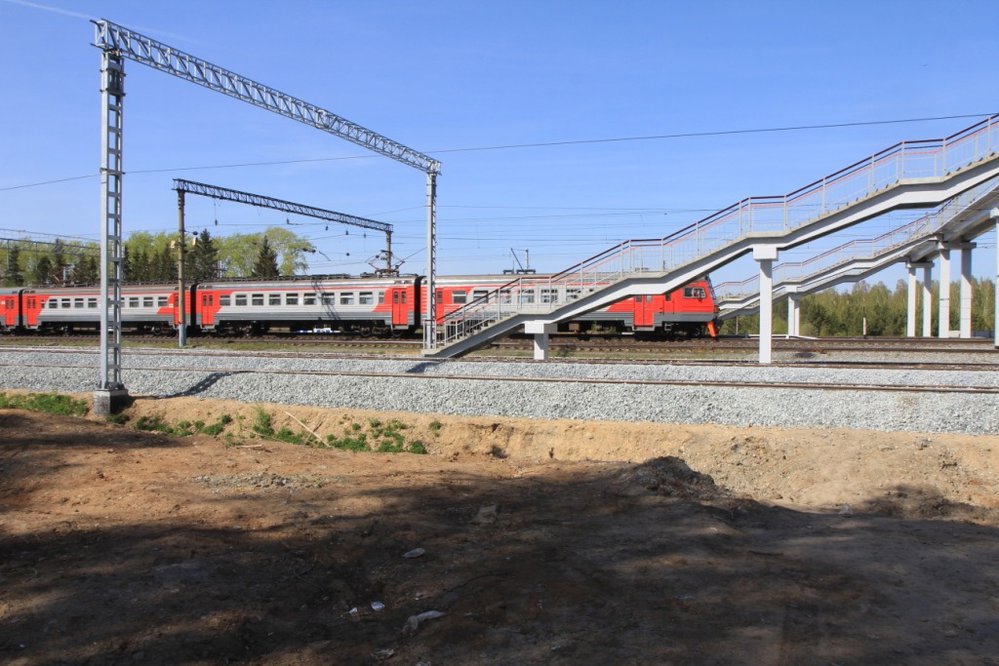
<point x="226" y="194"/>
<point x="118" y="43"/>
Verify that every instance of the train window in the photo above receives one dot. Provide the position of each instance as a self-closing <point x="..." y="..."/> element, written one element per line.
<point x="291" y="299"/>
<point x="440" y="295"/>
<point x="78" y="303"/>
<point x="66" y="302"/>
<point x="133" y="301"/>
<point x="669" y="296"/>
<point x="505" y="296"/>
<point x="571" y="293"/>
<point x="309" y="299"/>
<point x="403" y="297"/>
<point x="206" y="299"/>
<point x="395" y="296"/>
<point x="365" y="298"/>
<point x="329" y="299"/>
<point x="549" y="295"/>
<point x="459" y="296"/>
<point x="225" y="301"/>
<point x="161" y="301"/>
<point x="240" y="299"/>
<point x="147" y="301"/>
<point x="381" y="297"/>
<point x="347" y="298"/>
<point x="53" y="303"/>
<point x="91" y="302"/>
<point x="479" y="293"/>
<point x="693" y="292"/>
<point x="273" y="299"/>
<point x="257" y="299"/>
<point x="526" y="296"/>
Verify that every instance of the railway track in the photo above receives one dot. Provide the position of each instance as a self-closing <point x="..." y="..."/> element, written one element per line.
<point x="422" y="375"/>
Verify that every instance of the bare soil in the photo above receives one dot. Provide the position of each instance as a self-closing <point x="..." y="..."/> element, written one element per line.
<point x="552" y="542"/>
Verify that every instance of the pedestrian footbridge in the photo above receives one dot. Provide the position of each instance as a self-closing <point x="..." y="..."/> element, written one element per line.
<point x="965" y="216"/>
<point x="911" y="174"/>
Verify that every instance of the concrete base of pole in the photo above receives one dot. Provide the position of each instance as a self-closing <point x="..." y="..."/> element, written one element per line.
<point x="109" y="401"/>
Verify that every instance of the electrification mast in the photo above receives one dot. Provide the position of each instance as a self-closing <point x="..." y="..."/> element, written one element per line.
<point x="117" y="43"/>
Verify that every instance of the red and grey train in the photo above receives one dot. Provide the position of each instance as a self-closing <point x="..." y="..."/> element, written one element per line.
<point x="378" y="305"/>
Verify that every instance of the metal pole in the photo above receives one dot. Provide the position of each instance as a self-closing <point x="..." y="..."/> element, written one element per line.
<point x="181" y="309"/>
<point x="388" y="253"/>
<point x="110" y="385"/>
<point x="430" y="322"/>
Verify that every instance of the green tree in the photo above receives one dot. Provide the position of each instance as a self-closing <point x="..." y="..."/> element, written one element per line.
<point x="13" y="277"/>
<point x="202" y="259"/>
<point x="60" y="265"/>
<point x="87" y="271"/>
<point x="265" y="265"/>
<point x="41" y="273"/>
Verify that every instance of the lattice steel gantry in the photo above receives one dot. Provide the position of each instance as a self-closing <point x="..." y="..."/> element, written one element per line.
<point x="117" y="43"/>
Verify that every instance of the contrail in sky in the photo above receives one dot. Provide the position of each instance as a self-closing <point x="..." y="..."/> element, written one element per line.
<point x="66" y="12"/>
<point x="54" y="10"/>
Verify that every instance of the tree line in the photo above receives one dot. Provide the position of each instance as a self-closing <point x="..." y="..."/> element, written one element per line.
<point x="150" y="257"/>
<point x="833" y="313"/>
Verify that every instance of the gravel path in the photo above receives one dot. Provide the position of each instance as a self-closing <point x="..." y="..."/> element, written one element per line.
<point x="217" y="375"/>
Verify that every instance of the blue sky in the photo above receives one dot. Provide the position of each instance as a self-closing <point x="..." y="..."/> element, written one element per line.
<point x="440" y="76"/>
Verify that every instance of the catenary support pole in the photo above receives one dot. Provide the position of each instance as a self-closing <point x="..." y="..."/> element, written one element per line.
<point x="430" y="321"/>
<point x="111" y="391"/>
<point x="181" y="241"/>
<point x="943" y="287"/>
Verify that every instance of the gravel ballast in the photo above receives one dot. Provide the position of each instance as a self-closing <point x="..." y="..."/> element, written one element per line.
<point x="446" y="388"/>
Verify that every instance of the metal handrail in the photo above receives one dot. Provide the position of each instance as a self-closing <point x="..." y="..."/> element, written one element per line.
<point x="905" y="161"/>
<point x="924" y="227"/>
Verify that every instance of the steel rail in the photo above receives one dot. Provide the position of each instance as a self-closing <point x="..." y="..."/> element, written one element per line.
<point x="815" y="386"/>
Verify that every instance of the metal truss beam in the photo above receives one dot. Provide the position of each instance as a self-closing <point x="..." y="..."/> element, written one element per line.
<point x="130" y="44"/>
<point x="226" y="194"/>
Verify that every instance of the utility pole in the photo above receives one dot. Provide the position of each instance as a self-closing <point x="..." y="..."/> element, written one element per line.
<point x="181" y="235"/>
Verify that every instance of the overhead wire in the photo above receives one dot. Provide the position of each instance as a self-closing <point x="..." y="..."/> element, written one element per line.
<point x="537" y="144"/>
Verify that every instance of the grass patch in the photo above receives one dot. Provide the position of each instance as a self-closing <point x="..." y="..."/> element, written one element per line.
<point x="48" y="403"/>
<point x="182" y="428"/>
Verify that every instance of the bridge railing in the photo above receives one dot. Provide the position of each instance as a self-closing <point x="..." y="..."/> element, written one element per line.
<point x="858" y="249"/>
<point x="909" y="160"/>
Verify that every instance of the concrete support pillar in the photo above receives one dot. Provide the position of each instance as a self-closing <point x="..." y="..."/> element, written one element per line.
<point x="964" y="326"/>
<point x="910" y="304"/>
<point x="793" y="312"/>
<point x="540" y="330"/>
<point x="911" y="315"/>
<point x="766" y="255"/>
<point x="943" y="300"/>
<point x="994" y="214"/>
<point x="927" y="300"/>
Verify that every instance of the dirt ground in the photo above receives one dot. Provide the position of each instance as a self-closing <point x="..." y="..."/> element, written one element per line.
<point x="540" y="542"/>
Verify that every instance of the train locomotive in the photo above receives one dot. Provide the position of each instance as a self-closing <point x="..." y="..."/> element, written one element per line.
<point x="370" y="305"/>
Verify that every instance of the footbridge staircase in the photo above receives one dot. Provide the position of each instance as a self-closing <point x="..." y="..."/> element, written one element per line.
<point x="964" y="216"/>
<point x="911" y="174"/>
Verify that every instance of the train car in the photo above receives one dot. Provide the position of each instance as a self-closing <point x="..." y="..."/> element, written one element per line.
<point x="144" y="309"/>
<point x="10" y="310"/>
<point x="379" y="305"/>
<point x="687" y="311"/>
